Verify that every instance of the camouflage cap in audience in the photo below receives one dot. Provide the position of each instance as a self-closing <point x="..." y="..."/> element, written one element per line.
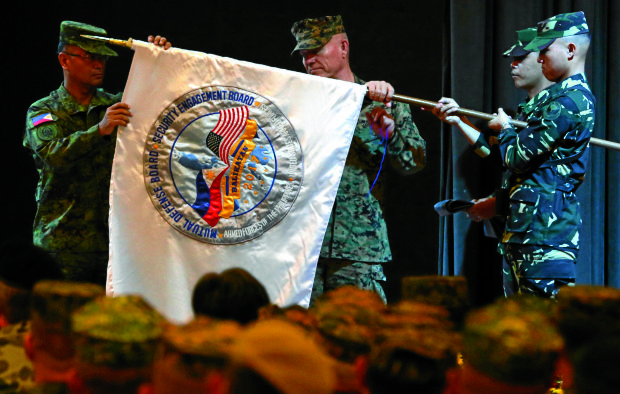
<point x="524" y="37"/>
<point x="117" y="332"/>
<point x="411" y="314"/>
<point x="53" y="302"/>
<point x="451" y="292"/>
<point x="313" y="33"/>
<point x="428" y="342"/>
<point x="202" y="341"/>
<point x="348" y="318"/>
<point x="344" y="337"/>
<point x="585" y="312"/>
<point x="411" y="361"/>
<point x="283" y="355"/>
<point x="352" y="296"/>
<point x="512" y="341"/>
<point x="558" y="26"/>
<point x="296" y="314"/>
<point x="71" y="34"/>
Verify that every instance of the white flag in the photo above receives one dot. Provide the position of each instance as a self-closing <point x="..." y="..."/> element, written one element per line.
<point x="224" y="164"/>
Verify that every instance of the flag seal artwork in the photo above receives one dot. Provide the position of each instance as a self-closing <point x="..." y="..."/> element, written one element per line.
<point x="222" y="165"/>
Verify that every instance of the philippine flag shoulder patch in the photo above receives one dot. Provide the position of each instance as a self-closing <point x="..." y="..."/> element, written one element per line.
<point x="43" y="118"/>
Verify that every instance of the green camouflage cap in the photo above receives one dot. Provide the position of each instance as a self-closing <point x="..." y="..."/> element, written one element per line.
<point x="451" y="292"/>
<point x="117" y="332"/>
<point x="513" y="340"/>
<point x="53" y="302"/>
<point x="70" y="33"/>
<point x="411" y="314"/>
<point x="312" y="33"/>
<point x="202" y="337"/>
<point x="348" y="318"/>
<point x="558" y="26"/>
<point x="584" y="312"/>
<point x="524" y="37"/>
<point x="429" y="342"/>
<point x="194" y="349"/>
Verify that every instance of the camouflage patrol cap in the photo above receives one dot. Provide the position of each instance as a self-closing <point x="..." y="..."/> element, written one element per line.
<point x="188" y="353"/>
<point x="203" y="336"/>
<point x="285" y="357"/>
<point x="524" y="37"/>
<point x="451" y="292"/>
<point x="70" y="33"/>
<point x="312" y="33"/>
<point x="584" y="312"/>
<point x="512" y="340"/>
<point x="558" y="26"/>
<point x="117" y="332"/>
<point x="54" y="301"/>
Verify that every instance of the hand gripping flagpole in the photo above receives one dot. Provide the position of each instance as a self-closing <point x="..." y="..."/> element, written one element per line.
<point x="516" y="123"/>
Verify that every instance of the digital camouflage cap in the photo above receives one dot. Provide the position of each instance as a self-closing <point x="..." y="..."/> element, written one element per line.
<point x="558" y="26"/>
<point x="524" y="37"/>
<point x="513" y="340"/>
<point x="71" y="34"/>
<point x="312" y="33"/>
<point x="118" y="332"/>
<point x="54" y="301"/>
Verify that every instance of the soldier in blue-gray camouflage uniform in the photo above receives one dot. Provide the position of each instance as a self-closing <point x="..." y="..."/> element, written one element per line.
<point x="71" y="134"/>
<point x="356" y="241"/>
<point x="546" y="163"/>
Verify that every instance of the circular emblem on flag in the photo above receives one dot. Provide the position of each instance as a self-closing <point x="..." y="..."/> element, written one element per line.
<point x="222" y="165"/>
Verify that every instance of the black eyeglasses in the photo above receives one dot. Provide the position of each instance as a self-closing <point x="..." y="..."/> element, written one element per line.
<point x="89" y="57"/>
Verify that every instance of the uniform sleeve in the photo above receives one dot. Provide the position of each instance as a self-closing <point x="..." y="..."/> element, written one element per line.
<point x="57" y="145"/>
<point x="529" y="147"/>
<point x="406" y="148"/>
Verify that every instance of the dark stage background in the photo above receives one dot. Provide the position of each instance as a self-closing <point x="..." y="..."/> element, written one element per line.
<point x="401" y="42"/>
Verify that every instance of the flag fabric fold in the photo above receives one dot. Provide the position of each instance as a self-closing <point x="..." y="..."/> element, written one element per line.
<point x="225" y="164"/>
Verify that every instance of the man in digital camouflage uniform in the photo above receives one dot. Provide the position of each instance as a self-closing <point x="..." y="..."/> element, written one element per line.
<point x="72" y="136"/>
<point x="546" y="163"/>
<point x="356" y="241"/>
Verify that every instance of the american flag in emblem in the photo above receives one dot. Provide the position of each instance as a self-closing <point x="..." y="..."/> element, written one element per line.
<point x="231" y="124"/>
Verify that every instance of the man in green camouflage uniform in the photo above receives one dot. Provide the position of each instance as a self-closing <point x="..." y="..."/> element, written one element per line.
<point x="72" y="136"/>
<point x="356" y="241"/>
<point x="546" y="163"/>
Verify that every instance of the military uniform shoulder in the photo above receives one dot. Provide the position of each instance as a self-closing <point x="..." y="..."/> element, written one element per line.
<point x="109" y="96"/>
<point x="44" y="102"/>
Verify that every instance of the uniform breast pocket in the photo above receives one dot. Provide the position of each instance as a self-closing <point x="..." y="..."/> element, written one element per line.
<point x="523" y="207"/>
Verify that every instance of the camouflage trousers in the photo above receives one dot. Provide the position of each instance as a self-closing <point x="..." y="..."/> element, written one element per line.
<point x="83" y="267"/>
<point x="537" y="270"/>
<point x="334" y="273"/>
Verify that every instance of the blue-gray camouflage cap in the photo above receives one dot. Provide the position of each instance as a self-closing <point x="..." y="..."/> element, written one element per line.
<point x="558" y="26"/>
<point x="312" y="33"/>
<point x="71" y="34"/>
<point x="524" y="37"/>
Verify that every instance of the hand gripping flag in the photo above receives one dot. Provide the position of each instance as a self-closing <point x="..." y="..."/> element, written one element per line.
<point x="225" y="164"/>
